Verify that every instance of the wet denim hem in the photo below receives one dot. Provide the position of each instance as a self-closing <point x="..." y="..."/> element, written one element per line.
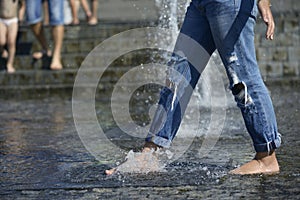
<point x="269" y="146"/>
<point x="35" y="21"/>
<point x="56" y="24"/>
<point x="160" y="141"/>
<point x="56" y="12"/>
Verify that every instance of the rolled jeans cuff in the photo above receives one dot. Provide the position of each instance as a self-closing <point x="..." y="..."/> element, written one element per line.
<point x="269" y="146"/>
<point x="160" y="141"/>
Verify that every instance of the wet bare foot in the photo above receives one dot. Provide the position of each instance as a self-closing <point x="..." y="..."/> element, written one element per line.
<point x="4" y="54"/>
<point x="93" y="21"/>
<point x="143" y="162"/>
<point x="56" y="65"/>
<point x="261" y="164"/>
<point x="10" y="69"/>
<point x="110" y="171"/>
<point x="39" y="54"/>
<point x="75" y="22"/>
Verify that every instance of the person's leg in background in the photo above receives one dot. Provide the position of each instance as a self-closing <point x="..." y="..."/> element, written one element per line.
<point x="93" y="20"/>
<point x="12" y="31"/>
<point x="56" y="14"/>
<point x="74" y="4"/>
<point x="35" y="20"/>
<point x="46" y="12"/>
<point x="233" y="31"/>
<point x="3" y="38"/>
<point x="86" y="7"/>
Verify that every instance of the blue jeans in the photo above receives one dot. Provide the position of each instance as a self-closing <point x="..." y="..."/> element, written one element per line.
<point x="228" y="26"/>
<point x="34" y="12"/>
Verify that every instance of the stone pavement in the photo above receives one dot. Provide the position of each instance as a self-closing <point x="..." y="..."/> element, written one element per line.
<point x="42" y="157"/>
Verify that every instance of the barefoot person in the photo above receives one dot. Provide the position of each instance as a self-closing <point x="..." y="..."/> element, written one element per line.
<point x="226" y="26"/>
<point x="91" y="14"/>
<point x="56" y="16"/>
<point x="9" y="29"/>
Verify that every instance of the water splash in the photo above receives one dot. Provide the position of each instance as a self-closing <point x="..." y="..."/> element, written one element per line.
<point x="144" y="162"/>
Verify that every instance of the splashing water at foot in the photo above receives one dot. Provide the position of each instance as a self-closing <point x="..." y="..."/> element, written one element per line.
<point x="145" y="162"/>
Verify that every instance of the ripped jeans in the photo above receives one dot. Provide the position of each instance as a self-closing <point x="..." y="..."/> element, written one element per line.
<point x="226" y="26"/>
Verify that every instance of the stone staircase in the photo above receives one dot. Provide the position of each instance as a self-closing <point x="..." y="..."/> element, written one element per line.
<point x="30" y="80"/>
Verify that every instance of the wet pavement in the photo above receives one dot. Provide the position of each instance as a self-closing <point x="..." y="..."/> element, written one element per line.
<point x="42" y="157"/>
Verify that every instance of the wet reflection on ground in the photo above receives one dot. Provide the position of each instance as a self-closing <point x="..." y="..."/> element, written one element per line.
<point x="42" y="157"/>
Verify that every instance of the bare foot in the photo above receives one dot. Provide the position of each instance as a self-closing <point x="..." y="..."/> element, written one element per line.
<point x="10" y="69"/>
<point x="56" y="65"/>
<point x="110" y="171"/>
<point x="143" y="162"/>
<point x="75" y="22"/>
<point x="39" y="54"/>
<point x="4" y="54"/>
<point x="263" y="163"/>
<point x="93" y="21"/>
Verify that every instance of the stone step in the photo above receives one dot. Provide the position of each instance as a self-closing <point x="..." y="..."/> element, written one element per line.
<point x="49" y="78"/>
<point x="40" y="83"/>
<point x="79" y="41"/>
<point x="73" y="60"/>
<point x="84" y="31"/>
<point x="130" y="76"/>
<point x="81" y="38"/>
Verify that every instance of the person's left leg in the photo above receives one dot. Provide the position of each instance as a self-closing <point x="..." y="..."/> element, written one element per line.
<point x="86" y="7"/>
<point x="233" y="30"/>
<point x="56" y="13"/>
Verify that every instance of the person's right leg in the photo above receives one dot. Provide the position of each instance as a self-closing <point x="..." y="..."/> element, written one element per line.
<point x="193" y="49"/>
<point x="74" y="10"/>
<point x="11" y="45"/>
<point x="196" y="43"/>
<point x="3" y="52"/>
<point x="34" y="19"/>
<point x="3" y="33"/>
<point x="94" y="18"/>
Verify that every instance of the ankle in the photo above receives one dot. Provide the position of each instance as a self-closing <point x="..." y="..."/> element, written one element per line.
<point x="263" y="155"/>
<point x="267" y="158"/>
<point x="47" y="52"/>
<point x="88" y="14"/>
